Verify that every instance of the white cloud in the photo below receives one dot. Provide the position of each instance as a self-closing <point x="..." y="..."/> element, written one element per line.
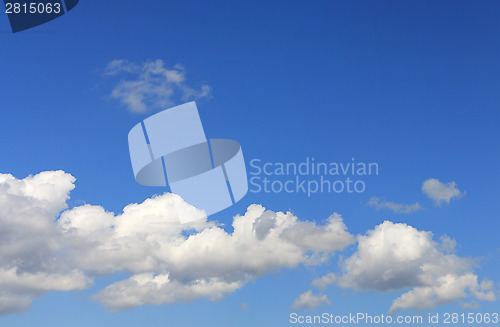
<point x="45" y="247"/>
<point x="396" y="207"/>
<point x="167" y="262"/>
<point x="441" y="192"/>
<point x="469" y="305"/>
<point x="445" y="289"/>
<point x="160" y="289"/>
<point x="13" y="304"/>
<point x="150" y="85"/>
<point x="309" y="301"/>
<point x="397" y="257"/>
<point x="448" y="244"/>
<point x="207" y="263"/>
<point x="324" y="281"/>
<point x="30" y="241"/>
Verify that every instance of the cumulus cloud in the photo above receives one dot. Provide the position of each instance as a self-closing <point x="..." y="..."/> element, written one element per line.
<point x="160" y="289"/>
<point x="398" y="257"/>
<point x="379" y="203"/>
<point x="150" y="85"/>
<point x="309" y="301"/>
<point x="46" y="247"/>
<point x="441" y="192"/>
<point x="167" y="266"/>
<point x="30" y="241"/>
<point x="447" y="288"/>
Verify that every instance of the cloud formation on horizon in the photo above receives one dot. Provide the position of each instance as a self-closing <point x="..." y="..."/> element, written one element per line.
<point x="166" y="262"/>
<point x="47" y="247"/>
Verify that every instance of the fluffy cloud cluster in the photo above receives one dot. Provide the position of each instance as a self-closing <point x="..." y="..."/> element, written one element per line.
<point x="166" y="261"/>
<point x="151" y="85"/>
<point x="397" y="256"/>
<point x="168" y="266"/>
<point x="46" y="247"/>
<point x="30" y="240"/>
<point x="441" y="192"/>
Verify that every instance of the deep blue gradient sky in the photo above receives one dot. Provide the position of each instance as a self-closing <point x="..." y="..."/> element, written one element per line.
<point x="411" y="85"/>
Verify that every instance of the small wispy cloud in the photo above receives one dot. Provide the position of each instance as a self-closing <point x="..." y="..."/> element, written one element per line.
<point x="448" y="244"/>
<point x="379" y="203"/>
<point x="441" y="192"/>
<point x="469" y="305"/>
<point x="324" y="281"/>
<point x="309" y="301"/>
<point x="150" y="85"/>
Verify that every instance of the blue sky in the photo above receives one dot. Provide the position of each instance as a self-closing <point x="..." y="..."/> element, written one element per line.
<point x="410" y="85"/>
